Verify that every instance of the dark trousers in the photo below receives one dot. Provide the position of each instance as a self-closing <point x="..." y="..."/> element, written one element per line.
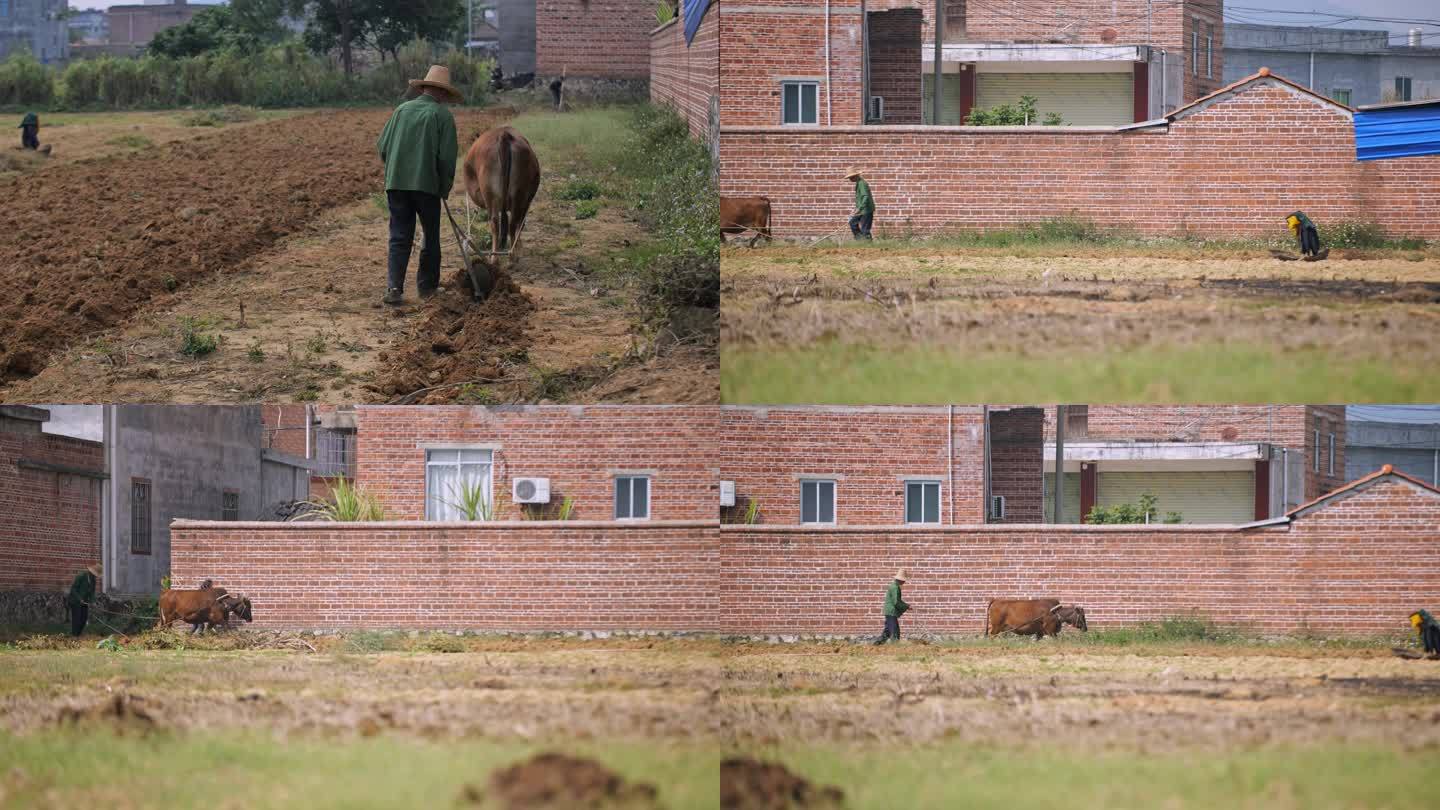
<point x="1430" y="637"/>
<point x="29" y="137"/>
<point x="405" y="206"/>
<point x="860" y="225"/>
<point x="1309" y="240"/>
<point x="892" y="629"/>
<point x="79" y="615"/>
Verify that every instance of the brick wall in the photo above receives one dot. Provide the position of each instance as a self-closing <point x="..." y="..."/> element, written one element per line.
<point x="284" y="428"/>
<point x="687" y="77"/>
<point x="1017" y="463"/>
<point x="1327" y="419"/>
<point x="1225" y="170"/>
<point x="1359" y="565"/>
<point x="868" y="451"/>
<point x="521" y="576"/>
<point x="895" y="63"/>
<point x="579" y="449"/>
<point x="765" y="43"/>
<point x="594" y="38"/>
<point x="51" y="528"/>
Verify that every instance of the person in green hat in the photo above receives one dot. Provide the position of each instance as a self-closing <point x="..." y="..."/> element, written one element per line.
<point x="420" y="150"/>
<point x="80" y="597"/>
<point x="30" y="131"/>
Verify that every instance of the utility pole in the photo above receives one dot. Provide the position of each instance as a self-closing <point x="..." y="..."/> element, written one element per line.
<point x="469" y="25"/>
<point x="1059" y="464"/>
<point x="939" y="52"/>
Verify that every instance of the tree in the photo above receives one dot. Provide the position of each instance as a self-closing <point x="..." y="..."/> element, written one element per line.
<point x="244" y="25"/>
<point x="333" y="24"/>
<point x="392" y="23"/>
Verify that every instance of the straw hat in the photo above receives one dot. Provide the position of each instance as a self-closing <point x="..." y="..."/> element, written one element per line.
<point x="853" y="173"/>
<point x="93" y="568"/>
<point x="900" y="575"/>
<point x="439" y="78"/>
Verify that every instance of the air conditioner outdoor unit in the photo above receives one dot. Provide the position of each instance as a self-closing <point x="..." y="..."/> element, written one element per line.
<point x="530" y="490"/>
<point x="727" y="493"/>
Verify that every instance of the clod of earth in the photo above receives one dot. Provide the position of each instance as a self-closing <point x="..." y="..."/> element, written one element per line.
<point x="553" y="781"/>
<point x="750" y="784"/>
<point x="122" y="711"/>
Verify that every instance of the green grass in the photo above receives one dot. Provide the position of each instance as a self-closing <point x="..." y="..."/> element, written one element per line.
<point x="837" y="373"/>
<point x="78" y="769"/>
<point x="959" y="775"/>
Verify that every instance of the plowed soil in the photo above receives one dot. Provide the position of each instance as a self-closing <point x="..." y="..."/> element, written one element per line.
<point x="95" y="242"/>
<point x="555" y="781"/>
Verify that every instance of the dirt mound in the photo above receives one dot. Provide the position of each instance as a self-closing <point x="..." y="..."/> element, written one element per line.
<point x="458" y="340"/>
<point x="96" y="241"/>
<point x="122" y="711"/>
<point x="553" y="780"/>
<point x="749" y="784"/>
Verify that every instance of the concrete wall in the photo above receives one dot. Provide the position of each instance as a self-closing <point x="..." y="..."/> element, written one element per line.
<point x="1358" y="565"/>
<point x="32" y="26"/>
<point x="1357" y="60"/>
<point x="1422" y="65"/>
<point x="283" y="479"/>
<point x="517" y="36"/>
<point x="526" y="575"/>
<point x="190" y="455"/>
<point x="1225" y="169"/>
<point x="1409" y="448"/>
<point x="686" y="77"/>
<point x="49" y="510"/>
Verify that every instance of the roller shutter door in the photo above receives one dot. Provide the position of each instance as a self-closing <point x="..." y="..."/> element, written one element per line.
<point x="949" y="103"/>
<point x="1083" y="99"/>
<point x="1072" y="497"/>
<point x="1199" y="497"/>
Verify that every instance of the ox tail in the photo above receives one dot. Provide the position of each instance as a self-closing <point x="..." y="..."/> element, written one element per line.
<point x="988" y="607"/>
<point x="507" y="142"/>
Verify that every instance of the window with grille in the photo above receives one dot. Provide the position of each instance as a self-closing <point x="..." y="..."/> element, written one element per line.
<point x="450" y="475"/>
<point x="997" y="507"/>
<point x="230" y="505"/>
<point x="1332" y="454"/>
<point x="1316" y="464"/>
<point x="632" y="497"/>
<point x="817" y="501"/>
<point x="1341" y="96"/>
<point x="1077" y="421"/>
<point x="139" y="516"/>
<point x="1209" y="51"/>
<point x="1402" y="88"/>
<point x="922" y="501"/>
<point x="1195" y="48"/>
<point x="335" y="451"/>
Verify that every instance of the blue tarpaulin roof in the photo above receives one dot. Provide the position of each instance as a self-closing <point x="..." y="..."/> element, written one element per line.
<point x="1397" y="130"/>
<point x="694" y="13"/>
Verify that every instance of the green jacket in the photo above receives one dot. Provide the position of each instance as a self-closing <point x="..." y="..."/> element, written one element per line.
<point x="419" y="148"/>
<point x="894" y="605"/>
<point x="864" y="203"/>
<point x="1426" y="620"/>
<point x="31" y="120"/>
<point x="82" y="590"/>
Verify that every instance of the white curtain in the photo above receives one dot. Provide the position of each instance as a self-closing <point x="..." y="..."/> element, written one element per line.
<point x="447" y="473"/>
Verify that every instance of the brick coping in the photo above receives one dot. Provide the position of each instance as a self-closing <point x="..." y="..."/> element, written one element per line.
<point x="482" y="525"/>
<point x="1012" y="528"/>
<point x="923" y="129"/>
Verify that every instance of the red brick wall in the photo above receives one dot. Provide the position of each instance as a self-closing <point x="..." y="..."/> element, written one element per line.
<point x="1289" y="426"/>
<point x="1017" y="463"/>
<point x="687" y="77"/>
<point x="895" y="64"/>
<point x="594" y="38"/>
<point x="869" y="451"/>
<point x="577" y="448"/>
<point x="284" y="428"/>
<point x="523" y="576"/>
<point x="1225" y="171"/>
<point x="51" y="526"/>
<point x="785" y="39"/>
<point x="1358" y="566"/>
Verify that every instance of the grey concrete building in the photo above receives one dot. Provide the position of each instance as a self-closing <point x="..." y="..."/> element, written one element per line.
<point x="90" y="25"/>
<point x="1352" y="66"/>
<point x="516" y="20"/>
<point x="1413" y="449"/>
<point x="177" y="461"/>
<point x="37" y="26"/>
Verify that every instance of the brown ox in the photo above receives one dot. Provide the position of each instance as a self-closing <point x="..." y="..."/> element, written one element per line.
<point x="502" y="175"/>
<point x="741" y="214"/>
<point x="207" y="606"/>
<point x="1032" y="617"/>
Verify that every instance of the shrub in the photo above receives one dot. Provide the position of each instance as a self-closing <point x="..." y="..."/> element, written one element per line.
<point x="1022" y="113"/>
<point x="587" y="209"/>
<point x="347" y="504"/>
<point x="25" y="82"/>
<point x="578" y="189"/>
<point x="193" y="341"/>
<point x="1142" y="512"/>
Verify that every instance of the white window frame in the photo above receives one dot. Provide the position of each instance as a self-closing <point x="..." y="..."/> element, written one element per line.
<point x="800" y="100"/>
<point x="1332" y="454"/>
<point x="649" y="495"/>
<point x="834" y="500"/>
<point x="434" y="502"/>
<point x="939" y="501"/>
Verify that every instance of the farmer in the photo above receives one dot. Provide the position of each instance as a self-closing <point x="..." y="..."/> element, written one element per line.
<point x="556" y="86"/>
<point x="864" y="206"/>
<point x="895" y="607"/>
<point x="80" y="597"/>
<point x="1305" y="232"/>
<point x="1428" y="629"/>
<point x="30" y="131"/>
<point x="420" y="150"/>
